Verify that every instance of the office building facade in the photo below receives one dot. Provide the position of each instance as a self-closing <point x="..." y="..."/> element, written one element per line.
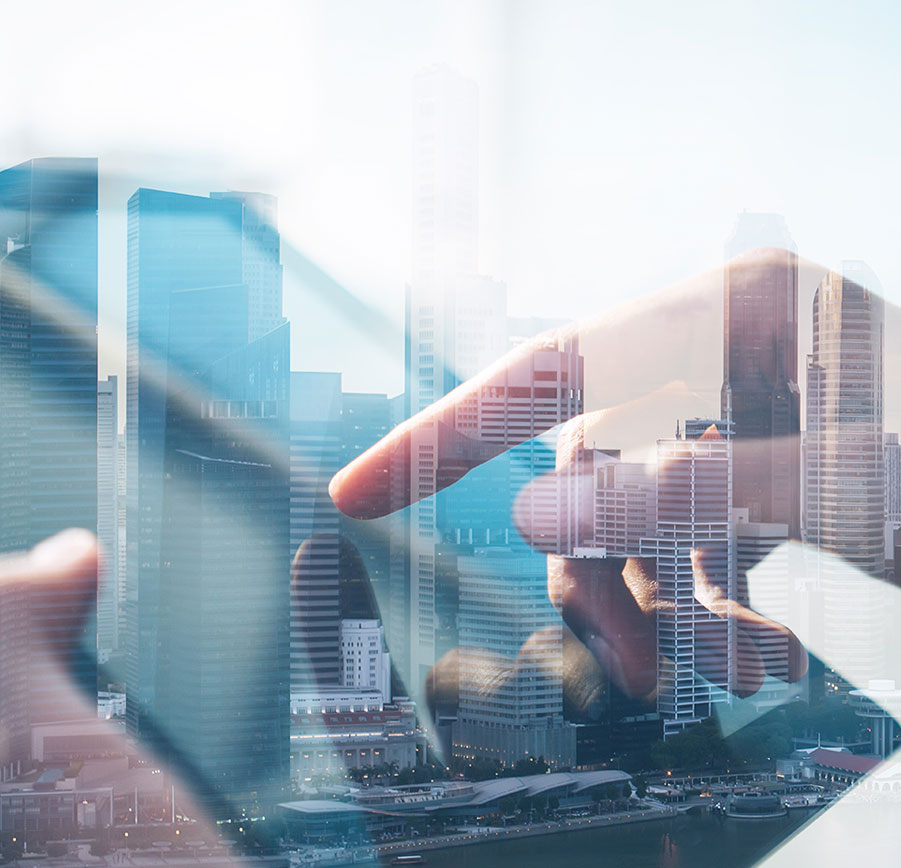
<point x="48" y="429"/>
<point x="845" y="471"/>
<point x="760" y="393"/>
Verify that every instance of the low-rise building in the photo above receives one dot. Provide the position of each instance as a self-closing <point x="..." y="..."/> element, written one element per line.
<point x="377" y="810"/>
<point x="331" y="743"/>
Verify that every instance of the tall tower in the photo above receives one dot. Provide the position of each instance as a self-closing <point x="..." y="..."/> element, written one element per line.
<point x="455" y="322"/>
<point x="845" y="476"/>
<point x="223" y="646"/>
<point x="760" y="371"/>
<point x="315" y="525"/>
<point x="694" y="511"/>
<point x="262" y="271"/>
<point x="107" y="516"/>
<point x="511" y="662"/>
<point x="48" y="425"/>
<point x="186" y="308"/>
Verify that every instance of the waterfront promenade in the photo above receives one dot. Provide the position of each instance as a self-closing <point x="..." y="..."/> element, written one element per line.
<point x="479" y="834"/>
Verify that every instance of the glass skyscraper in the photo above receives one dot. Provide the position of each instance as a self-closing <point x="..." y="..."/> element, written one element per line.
<point x="760" y="371"/>
<point x="176" y="243"/>
<point x="224" y="581"/>
<point x="208" y="543"/>
<point x="48" y="423"/>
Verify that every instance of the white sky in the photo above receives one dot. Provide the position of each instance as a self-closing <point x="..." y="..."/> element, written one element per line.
<point x="618" y="140"/>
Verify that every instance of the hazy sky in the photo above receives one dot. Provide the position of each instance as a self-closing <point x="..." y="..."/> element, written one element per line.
<point x="618" y="140"/>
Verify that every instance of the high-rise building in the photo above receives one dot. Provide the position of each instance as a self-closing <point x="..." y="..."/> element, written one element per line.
<point x="892" y="479"/>
<point x="845" y="474"/>
<point x="48" y="428"/>
<point x="315" y="525"/>
<point x="208" y="507"/>
<point x="365" y="419"/>
<point x="760" y="391"/>
<point x="455" y="326"/>
<point x="845" y="469"/>
<point x="625" y="504"/>
<point x="511" y="662"/>
<point x="262" y="270"/>
<point x="177" y="244"/>
<point x="224" y="639"/>
<point x="694" y="511"/>
<point x="108" y="517"/>
<point x="341" y="564"/>
<point x="121" y="521"/>
<point x="757" y="548"/>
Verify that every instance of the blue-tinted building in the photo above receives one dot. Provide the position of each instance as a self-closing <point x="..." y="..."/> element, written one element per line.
<point x="176" y="244"/>
<point x="48" y="422"/>
<point x="315" y="525"/>
<point x="224" y="578"/>
<point x="208" y="535"/>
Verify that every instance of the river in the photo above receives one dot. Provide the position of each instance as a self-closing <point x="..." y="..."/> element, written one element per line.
<point x="695" y="840"/>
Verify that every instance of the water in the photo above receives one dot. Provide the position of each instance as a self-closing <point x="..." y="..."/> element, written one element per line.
<point x="696" y="840"/>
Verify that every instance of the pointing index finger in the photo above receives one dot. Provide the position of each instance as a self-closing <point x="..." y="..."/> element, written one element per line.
<point x="528" y="391"/>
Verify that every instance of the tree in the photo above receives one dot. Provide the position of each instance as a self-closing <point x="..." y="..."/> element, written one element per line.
<point x="641" y="786"/>
<point x="530" y="766"/>
<point x="540" y="804"/>
<point x="553" y="803"/>
<point x="506" y="805"/>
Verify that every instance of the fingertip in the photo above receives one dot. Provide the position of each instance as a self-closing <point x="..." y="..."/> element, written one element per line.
<point x="71" y="550"/>
<point x="335" y="489"/>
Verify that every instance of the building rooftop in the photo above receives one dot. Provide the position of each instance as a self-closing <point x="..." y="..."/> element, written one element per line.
<point x="847" y="762"/>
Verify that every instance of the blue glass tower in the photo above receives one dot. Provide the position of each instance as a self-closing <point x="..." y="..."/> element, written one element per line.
<point x="224" y="580"/>
<point x="48" y="421"/>
<point x="177" y="245"/>
<point x="208" y="570"/>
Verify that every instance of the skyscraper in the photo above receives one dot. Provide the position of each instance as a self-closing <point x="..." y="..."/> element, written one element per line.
<point x="694" y="511"/>
<point x="845" y="470"/>
<point x="511" y="662"/>
<point x="845" y="477"/>
<point x="107" y="516"/>
<point x="455" y="324"/>
<point x="48" y="425"/>
<point x="262" y="269"/>
<point x="176" y="244"/>
<point x="760" y="371"/>
<point x="208" y="507"/>
<point x="315" y="525"/>
<point x="224" y="638"/>
<point x="341" y="562"/>
<point x="892" y="479"/>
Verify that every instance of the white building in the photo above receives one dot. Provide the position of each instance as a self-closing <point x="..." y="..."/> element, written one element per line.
<point x="332" y="700"/>
<point x="365" y="661"/>
<point x="694" y="511"/>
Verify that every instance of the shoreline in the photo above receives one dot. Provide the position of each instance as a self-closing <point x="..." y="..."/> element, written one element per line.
<point x="496" y="833"/>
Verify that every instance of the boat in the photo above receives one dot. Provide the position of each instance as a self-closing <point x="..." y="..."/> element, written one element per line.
<point x="801" y="800"/>
<point x="412" y="859"/>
